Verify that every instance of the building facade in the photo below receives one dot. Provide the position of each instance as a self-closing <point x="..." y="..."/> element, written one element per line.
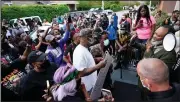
<point x="169" y="6"/>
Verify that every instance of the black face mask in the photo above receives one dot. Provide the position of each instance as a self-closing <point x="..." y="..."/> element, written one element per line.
<point x="54" y="44"/>
<point x="21" y="50"/>
<point x="45" y="65"/>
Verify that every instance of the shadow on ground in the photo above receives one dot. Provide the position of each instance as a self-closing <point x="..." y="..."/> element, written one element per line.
<point x="125" y="92"/>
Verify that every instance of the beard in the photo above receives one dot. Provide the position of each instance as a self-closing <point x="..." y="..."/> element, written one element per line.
<point x="156" y="43"/>
<point x="54" y="44"/>
<point x="45" y="65"/>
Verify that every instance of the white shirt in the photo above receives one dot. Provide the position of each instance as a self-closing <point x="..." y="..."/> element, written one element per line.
<point x="82" y="58"/>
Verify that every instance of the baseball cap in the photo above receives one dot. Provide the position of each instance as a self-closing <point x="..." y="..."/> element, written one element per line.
<point x="36" y="56"/>
<point x="49" y="38"/>
<point x="85" y="32"/>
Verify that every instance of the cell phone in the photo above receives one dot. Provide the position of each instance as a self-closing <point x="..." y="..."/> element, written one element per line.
<point x="69" y="19"/>
<point x="141" y="22"/>
<point x="106" y="94"/>
<point x="48" y="86"/>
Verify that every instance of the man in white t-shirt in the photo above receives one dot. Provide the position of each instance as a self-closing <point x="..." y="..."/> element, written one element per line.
<point x="84" y="62"/>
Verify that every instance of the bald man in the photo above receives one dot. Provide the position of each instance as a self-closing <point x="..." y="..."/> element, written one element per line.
<point x="70" y="49"/>
<point x="154" y="76"/>
<point x="154" y="49"/>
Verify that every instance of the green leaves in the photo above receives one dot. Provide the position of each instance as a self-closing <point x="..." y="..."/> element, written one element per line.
<point x="163" y="17"/>
<point x="115" y="5"/>
<point x="44" y="11"/>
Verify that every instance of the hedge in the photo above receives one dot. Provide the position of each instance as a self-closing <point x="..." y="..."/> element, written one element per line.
<point x="87" y="5"/>
<point x="44" y="11"/>
<point x="113" y="5"/>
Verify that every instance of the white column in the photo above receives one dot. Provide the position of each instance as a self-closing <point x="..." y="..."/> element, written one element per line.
<point x="177" y="7"/>
<point x="102" y="5"/>
<point x="75" y="7"/>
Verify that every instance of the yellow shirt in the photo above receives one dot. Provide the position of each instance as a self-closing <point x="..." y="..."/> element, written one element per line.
<point x="124" y="38"/>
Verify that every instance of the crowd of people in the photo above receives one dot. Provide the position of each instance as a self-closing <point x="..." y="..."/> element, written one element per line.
<point x="70" y="58"/>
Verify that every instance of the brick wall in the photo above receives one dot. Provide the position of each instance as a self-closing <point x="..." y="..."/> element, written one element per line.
<point x="167" y="6"/>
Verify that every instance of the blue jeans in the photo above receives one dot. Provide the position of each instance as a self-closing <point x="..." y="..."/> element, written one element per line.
<point x="143" y="41"/>
<point x="139" y="52"/>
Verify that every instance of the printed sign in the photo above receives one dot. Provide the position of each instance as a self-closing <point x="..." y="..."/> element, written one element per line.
<point x="96" y="92"/>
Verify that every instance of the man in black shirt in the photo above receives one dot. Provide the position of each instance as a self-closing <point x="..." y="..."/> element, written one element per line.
<point x="33" y="84"/>
<point x="154" y="76"/>
<point x="70" y="49"/>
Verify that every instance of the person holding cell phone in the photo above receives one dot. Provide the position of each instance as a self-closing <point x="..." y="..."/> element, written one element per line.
<point x="144" y="24"/>
<point x="41" y="45"/>
<point x="55" y="49"/>
<point x="144" y="27"/>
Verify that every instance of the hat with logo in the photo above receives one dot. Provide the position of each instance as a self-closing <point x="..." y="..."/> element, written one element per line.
<point x="36" y="56"/>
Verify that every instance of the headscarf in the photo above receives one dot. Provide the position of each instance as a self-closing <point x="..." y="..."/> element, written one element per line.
<point x="66" y="78"/>
<point x="68" y="89"/>
<point x="60" y="74"/>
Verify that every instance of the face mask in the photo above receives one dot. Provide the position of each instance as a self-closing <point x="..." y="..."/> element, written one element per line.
<point x="156" y="43"/>
<point x="176" y="27"/>
<point x="45" y="65"/>
<point x="145" y="85"/>
<point x="106" y="42"/>
<point x="54" y="44"/>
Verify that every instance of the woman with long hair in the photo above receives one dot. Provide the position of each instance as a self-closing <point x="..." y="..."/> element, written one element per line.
<point x="144" y="28"/>
<point x="144" y="24"/>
